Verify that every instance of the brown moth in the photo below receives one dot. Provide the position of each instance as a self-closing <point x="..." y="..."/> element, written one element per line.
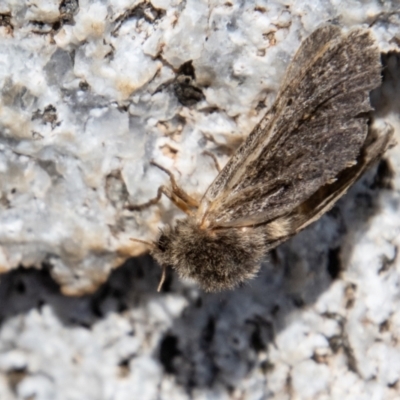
<point x="309" y="148"/>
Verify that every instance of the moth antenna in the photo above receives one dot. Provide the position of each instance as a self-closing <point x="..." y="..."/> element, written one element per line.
<point x="150" y="244"/>
<point x="162" y="280"/>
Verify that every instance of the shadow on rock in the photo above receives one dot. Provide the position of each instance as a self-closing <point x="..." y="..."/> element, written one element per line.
<point x="128" y="286"/>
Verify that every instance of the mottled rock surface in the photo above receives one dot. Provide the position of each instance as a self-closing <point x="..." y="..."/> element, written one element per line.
<point x="90" y="92"/>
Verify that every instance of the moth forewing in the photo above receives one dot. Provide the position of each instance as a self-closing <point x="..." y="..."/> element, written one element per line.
<point x="314" y="129"/>
<point x="296" y="163"/>
<point x="326" y="196"/>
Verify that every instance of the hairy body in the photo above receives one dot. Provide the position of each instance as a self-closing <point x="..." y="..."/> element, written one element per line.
<point x="200" y="253"/>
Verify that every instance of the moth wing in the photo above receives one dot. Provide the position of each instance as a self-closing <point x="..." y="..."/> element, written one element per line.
<point x="315" y="128"/>
<point x="309" y="49"/>
<point x="324" y="199"/>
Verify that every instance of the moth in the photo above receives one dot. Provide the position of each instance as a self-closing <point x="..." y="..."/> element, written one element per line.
<point x="308" y="149"/>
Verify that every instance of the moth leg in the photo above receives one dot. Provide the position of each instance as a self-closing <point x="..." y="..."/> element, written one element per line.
<point x="162" y="280"/>
<point x="155" y="200"/>
<point x="180" y="203"/>
<point x="216" y="163"/>
<point x="176" y="190"/>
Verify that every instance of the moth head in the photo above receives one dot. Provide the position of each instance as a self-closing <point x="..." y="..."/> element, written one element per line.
<point x="215" y="259"/>
<point x="163" y="244"/>
<point x="159" y="247"/>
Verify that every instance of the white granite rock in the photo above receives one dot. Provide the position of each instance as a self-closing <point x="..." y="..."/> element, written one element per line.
<point x="89" y="94"/>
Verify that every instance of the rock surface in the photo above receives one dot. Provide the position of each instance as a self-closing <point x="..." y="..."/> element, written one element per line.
<point x="89" y="94"/>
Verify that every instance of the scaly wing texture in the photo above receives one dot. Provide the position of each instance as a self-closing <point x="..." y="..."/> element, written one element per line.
<point x="325" y="197"/>
<point x="315" y="128"/>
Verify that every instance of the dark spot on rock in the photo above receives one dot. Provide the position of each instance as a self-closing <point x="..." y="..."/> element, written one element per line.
<point x="116" y="190"/>
<point x="15" y="376"/>
<point x="20" y="287"/>
<point x="5" y="21"/>
<point x="168" y="352"/>
<point x="144" y="10"/>
<point x="184" y="86"/>
<point x="83" y="85"/>
<point x="334" y="263"/>
<point x="208" y="332"/>
<point x="298" y="301"/>
<point x="68" y="8"/>
<point x="187" y="69"/>
<point x="384" y="176"/>
<point x="123" y="366"/>
<point x="186" y="92"/>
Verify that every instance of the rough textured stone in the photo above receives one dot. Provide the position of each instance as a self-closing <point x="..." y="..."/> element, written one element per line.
<point x="89" y="93"/>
